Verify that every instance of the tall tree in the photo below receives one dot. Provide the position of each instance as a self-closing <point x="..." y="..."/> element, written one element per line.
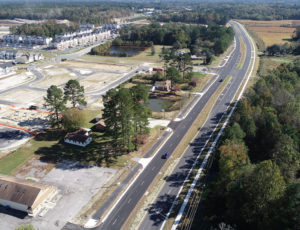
<point x="73" y="119"/>
<point x="141" y="112"/>
<point x="56" y="102"/>
<point x="74" y="92"/>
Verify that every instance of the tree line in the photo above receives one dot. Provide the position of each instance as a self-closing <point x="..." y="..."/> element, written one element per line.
<point x="97" y="13"/>
<point x="212" y="39"/>
<point x="281" y="50"/>
<point x="258" y="161"/>
<point x="221" y="13"/>
<point x="49" y="29"/>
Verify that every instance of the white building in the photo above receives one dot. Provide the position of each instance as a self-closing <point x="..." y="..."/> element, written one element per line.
<point x="23" y="40"/>
<point x="6" y="68"/>
<point x="80" y="137"/>
<point x="71" y="40"/>
<point x="23" y="195"/>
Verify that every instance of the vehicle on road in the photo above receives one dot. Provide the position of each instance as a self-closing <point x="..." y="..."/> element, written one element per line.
<point x="165" y="155"/>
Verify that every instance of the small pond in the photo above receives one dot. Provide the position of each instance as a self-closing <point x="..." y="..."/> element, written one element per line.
<point x="129" y="51"/>
<point x="156" y="105"/>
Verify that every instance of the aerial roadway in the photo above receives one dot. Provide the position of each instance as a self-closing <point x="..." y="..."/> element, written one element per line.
<point x="155" y="218"/>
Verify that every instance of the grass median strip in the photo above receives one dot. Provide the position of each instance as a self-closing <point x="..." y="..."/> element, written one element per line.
<point x="138" y="214"/>
<point x="243" y="53"/>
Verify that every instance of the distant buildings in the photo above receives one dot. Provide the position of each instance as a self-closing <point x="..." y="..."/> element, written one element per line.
<point x="25" y="41"/>
<point x="19" y="57"/>
<point x="87" y="34"/>
<point x="6" y="68"/>
<point x="80" y="137"/>
<point x="79" y="38"/>
<point x="23" y="195"/>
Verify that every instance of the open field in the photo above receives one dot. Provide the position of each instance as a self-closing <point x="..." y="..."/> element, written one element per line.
<point x="93" y="65"/>
<point x="14" y="80"/>
<point x="24" y="97"/>
<point x="98" y="81"/>
<point x="55" y="76"/>
<point x="272" y="32"/>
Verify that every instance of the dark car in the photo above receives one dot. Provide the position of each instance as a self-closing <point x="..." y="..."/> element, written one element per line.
<point x="33" y="107"/>
<point x="221" y="80"/>
<point x="165" y="156"/>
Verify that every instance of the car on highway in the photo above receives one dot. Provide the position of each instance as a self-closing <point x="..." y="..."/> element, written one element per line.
<point x="221" y="80"/>
<point x="165" y="155"/>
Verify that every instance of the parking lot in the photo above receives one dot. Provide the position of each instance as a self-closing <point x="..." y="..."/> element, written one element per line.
<point x="77" y="183"/>
<point x="12" y="137"/>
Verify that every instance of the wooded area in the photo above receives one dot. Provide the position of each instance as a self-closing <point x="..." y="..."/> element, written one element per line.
<point x="257" y="184"/>
<point x="87" y="12"/>
<point x="221" y="13"/>
<point x="49" y="29"/>
<point x="213" y="39"/>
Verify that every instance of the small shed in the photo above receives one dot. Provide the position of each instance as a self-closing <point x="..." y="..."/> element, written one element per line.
<point x="99" y="126"/>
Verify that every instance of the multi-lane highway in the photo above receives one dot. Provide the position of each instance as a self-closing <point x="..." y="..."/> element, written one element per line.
<point x="161" y="206"/>
<point x="129" y="200"/>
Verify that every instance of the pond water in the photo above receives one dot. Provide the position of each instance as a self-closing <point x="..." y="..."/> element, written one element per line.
<point x="130" y="51"/>
<point x="156" y="105"/>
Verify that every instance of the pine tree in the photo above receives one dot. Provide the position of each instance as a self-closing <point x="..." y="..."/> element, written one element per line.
<point x="56" y="103"/>
<point x="74" y="93"/>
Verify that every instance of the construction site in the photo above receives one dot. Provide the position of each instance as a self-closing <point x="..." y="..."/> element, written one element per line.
<point x="22" y="104"/>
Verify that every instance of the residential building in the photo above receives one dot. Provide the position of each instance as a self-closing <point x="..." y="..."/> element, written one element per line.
<point x="163" y="85"/>
<point x="80" y="137"/>
<point x="6" y="68"/>
<point x="24" y="195"/>
<point x="25" y="41"/>
<point x="79" y="38"/>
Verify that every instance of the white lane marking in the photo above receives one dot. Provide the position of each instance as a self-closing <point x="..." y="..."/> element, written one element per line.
<point x="114" y="221"/>
<point x="129" y="201"/>
<point x="153" y="168"/>
<point x="142" y="182"/>
<point x="169" y="191"/>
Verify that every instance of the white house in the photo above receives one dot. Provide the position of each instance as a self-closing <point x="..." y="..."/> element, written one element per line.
<point x="80" y="137"/>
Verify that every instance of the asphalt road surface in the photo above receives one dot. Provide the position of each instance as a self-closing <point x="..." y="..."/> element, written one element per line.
<point x="121" y="212"/>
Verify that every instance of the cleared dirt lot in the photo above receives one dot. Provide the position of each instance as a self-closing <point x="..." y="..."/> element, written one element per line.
<point x="14" y="80"/>
<point x="96" y="66"/>
<point x="55" y="76"/>
<point x="98" y="81"/>
<point x="77" y="184"/>
<point x="24" y="97"/>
